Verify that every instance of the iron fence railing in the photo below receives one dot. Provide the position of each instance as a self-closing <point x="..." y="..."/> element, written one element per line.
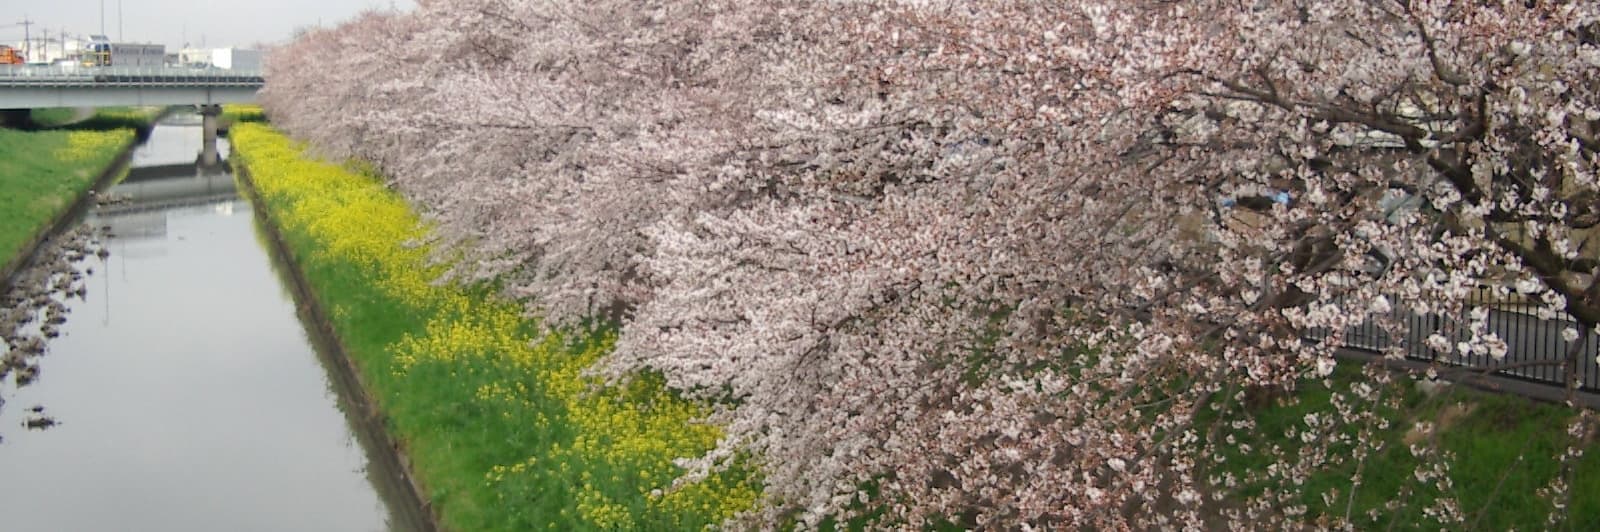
<point x="76" y="76"/>
<point x="1536" y="350"/>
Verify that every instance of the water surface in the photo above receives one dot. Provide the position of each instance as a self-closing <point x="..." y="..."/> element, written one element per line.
<point x="188" y="394"/>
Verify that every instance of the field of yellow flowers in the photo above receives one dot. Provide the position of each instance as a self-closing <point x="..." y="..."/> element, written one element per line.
<point x="42" y="172"/>
<point x="499" y="422"/>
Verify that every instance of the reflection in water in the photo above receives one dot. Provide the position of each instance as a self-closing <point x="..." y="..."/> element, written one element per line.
<point x="188" y="394"/>
<point x="176" y="141"/>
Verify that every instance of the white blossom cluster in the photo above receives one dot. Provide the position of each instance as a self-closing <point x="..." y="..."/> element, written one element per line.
<point x="996" y="259"/>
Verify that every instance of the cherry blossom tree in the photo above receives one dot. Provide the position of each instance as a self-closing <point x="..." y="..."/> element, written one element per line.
<point x="998" y="262"/>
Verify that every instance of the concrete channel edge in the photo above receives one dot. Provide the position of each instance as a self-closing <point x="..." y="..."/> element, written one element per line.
<point x="371" y="416"/>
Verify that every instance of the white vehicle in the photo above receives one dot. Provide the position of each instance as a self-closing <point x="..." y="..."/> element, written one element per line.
<point x="101" y="52"/>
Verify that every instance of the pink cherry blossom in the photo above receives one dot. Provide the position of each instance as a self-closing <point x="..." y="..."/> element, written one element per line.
<point x="993" y="257"/>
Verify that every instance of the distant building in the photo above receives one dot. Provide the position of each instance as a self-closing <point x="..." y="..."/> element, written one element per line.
<point x="96" y="50"/>
<point x="223" y="58"/>
<point x="51" y="50"/>
<point x="236" y="59"/>
<point x="194" y="58"/>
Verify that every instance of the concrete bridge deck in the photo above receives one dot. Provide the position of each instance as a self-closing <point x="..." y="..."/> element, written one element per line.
<point x="32" y="87"/>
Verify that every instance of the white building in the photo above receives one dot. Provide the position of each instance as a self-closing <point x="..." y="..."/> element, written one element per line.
<point x="51" y="50"/>
<point x="223" y="58"/>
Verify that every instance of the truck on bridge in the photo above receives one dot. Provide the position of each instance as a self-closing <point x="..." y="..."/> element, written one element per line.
<point x="103" y="53"/>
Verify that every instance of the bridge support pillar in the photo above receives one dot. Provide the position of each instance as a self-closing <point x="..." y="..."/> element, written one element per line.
<point x="208" y="147"/>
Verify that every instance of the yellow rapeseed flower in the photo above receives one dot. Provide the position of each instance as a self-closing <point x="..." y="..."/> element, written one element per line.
<point x="624" y="440"/>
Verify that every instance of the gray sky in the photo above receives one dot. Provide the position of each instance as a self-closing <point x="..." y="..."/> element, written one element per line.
<point x="220" y="23"/>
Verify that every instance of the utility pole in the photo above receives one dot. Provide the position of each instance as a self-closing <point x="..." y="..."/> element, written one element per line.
<point x="119" y="21"/>
<point x="102" y="17"/>
<point x="27" y="36"/>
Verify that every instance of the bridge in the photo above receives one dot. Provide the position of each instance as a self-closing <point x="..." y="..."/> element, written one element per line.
<point x="33" y="87"/>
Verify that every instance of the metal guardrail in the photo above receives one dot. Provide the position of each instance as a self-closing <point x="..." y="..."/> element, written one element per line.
<point x="1535" y="349"/>
<point x="75" y="76"/>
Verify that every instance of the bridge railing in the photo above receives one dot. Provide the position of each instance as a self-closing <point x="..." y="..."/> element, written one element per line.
<point x="78" y="76"/>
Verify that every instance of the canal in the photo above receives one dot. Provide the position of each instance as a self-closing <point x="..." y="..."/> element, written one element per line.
<point x="183" y="391"/>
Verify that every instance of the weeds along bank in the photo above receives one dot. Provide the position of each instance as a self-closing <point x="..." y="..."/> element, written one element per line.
<point x="501" y="427"/>
<point x="233" y="114"/>
<point x="1488" y="461"/>
<point x="101" y="118"/>
<point x="42" y="173"/>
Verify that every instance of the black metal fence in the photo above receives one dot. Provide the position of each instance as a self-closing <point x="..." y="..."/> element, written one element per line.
<point x="1535" y="348"/>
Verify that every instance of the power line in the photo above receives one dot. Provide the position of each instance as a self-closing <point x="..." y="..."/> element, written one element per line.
<point x="27" y="36"/>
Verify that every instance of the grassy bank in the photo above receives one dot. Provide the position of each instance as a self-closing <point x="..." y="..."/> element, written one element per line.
<point x="1495" y="452"/>
<point x="54" y="116"/>
<point x="42" y="172"/>
<point x="104" y="118"/>
<point x="235" y="114"/>
<point x="500" y="426"/>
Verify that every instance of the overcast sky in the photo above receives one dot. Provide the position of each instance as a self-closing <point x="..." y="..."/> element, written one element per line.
<point x="219" y="23"/>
